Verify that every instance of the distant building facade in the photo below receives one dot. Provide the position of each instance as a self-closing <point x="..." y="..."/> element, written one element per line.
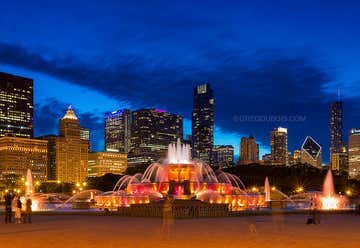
<point x="152" y="130"/>
<point x="223" y="155"/>
<point x="101" y="163"/>
<point x="51" y="155"/>
<point x="19" y="154"/>
<point x="249" y="150"/>
<point x="68" y="152"/>
<point x="279" y="146"/>
<point x="16" y="106"/>
<point x="203" y="123"/>
<point x="340" y="161"/>
<point x="311" y="153"/>
<point x="266" y="159"/>
<point x="354" y="153"/>
<point x="118" y="131"/>
<point x="295" y="158"/>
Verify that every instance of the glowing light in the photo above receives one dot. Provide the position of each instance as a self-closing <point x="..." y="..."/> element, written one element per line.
<point x="254" y="189"/>
<point x="273" y="188"/>
<point x="35" y="205"/>
<point x="348" y="192"/>
<point x="299" y="189"/>
<point x="329" y="203"/>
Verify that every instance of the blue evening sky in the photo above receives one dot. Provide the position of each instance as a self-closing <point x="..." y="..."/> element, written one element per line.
<point x="264" y="59"/>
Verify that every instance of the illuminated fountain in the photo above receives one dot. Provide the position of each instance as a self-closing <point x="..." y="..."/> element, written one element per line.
<point x="180" y="178"/>
<point x="275" y="198"/>
<point x="326" y="199"/>
<point x="40" y="201"/>
<point x="82" y="200"/>
<point x="329" y="200"/>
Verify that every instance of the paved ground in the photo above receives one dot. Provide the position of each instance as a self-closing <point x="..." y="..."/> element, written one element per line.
<point x="113" y="231"/>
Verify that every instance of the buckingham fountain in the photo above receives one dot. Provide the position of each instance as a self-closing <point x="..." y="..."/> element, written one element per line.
<point x="187" y="183"/>
<point x="192" y="189"/>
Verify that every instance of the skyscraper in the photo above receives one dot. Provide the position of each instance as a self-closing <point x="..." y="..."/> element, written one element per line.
<point x="152" y="130"/>
<point x="117" y="131"/>
<point x="68" y="152"/>
<point x="354" y="153"/>
<point x="335" y="127"/>
<point x="249" y="150"/>
<point x="203" y="123"/>
<point x="16" y="106"/>
<point x="279" y="146"/>
<point x="223" y="155"/>
<point x="311" y="152"/>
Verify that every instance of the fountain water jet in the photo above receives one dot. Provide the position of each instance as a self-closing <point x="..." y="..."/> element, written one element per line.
<point x="267" y="190"/>
<point x="29" y="185"/>
<point x="329" y="199"/>
<point x="328" y="185"/>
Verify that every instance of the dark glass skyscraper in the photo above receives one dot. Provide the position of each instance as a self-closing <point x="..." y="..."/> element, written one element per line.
<point x="335" y="127"/>
<point x="203" y="123"/>
<point x="117" y="130"/>
<point x="311" y="152"/>
<point x="16" y="106"/>
<point x="152" y="130"/>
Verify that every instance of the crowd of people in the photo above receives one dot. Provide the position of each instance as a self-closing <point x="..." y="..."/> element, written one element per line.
<point x="22" y="209"/>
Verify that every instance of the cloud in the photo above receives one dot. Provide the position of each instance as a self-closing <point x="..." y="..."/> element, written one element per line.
<point x="258" y="83"/>
<point x="47" y="115"/>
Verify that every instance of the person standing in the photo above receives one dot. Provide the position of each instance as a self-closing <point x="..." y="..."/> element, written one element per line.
<point x="8" y="208"/>
<point x="18" y="210"/>
<point x="28" y="210"/>
<point x="167" y="219"/>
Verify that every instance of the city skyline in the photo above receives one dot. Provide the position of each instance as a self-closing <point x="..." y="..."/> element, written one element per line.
<point x="267" y="70"/>
<point x="187" y="129"/>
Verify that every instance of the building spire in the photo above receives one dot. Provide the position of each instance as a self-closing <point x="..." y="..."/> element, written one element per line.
<point x="70" y="114"/>
<point x="338" y="94"/>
